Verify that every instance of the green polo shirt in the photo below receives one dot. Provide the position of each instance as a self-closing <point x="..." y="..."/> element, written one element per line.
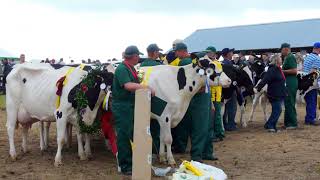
<point x="150" y="62"/>
<point x="122" y="76"/>
<point x="290" y="63"/>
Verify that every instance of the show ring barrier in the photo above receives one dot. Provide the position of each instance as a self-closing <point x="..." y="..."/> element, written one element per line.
<point x="142" y="141"/>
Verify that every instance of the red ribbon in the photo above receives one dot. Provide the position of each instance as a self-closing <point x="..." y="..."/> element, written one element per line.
<point x="134" y="73"/>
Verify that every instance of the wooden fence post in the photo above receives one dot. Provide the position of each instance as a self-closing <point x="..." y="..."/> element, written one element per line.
<point x="142" y="141"/>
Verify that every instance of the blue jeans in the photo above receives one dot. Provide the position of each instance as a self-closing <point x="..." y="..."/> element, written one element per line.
<point x="230" y="113"/>
<point x="311" y="107"/>
<point x="275" y="114"/>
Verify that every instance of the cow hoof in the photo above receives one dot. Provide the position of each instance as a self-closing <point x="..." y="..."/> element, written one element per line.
<point x="58" y="163"/>
<point x="89" y="156"/>
<point x="83" y="157"/>
<point x="244" y="125"/>
<point x="13" y="157"/>
<point x="162" y="158"/>
<point x="172" y="162"/>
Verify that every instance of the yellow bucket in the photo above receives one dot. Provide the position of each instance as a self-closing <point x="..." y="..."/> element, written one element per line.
<point x="2" y="101"/>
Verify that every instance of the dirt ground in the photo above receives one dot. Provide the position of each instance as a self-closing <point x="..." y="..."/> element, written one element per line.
<point x="249" y="153"/>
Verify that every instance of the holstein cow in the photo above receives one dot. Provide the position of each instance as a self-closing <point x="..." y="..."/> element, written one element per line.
<point x="174" y="87"/>
<point x="242" y="83"/>
<point x="306" y="82"/>
<point x="31" y="96"/>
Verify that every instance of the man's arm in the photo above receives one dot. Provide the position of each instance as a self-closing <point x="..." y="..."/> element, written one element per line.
<point x="132" y="87"/>
<point x="293" y="71"/>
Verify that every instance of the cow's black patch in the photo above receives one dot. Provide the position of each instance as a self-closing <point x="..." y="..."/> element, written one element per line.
<point x="59" y="114"/>
<point x="24" y="80"/>
<point x="193" y="83"/>
<point x="182" y="80"/>
<point x="167" y="119"/>
<point x="190" y="88"/>
<point x="197" y="71"/>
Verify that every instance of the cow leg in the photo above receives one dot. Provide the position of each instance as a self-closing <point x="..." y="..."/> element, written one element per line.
<point x="66" y="136"/>
<point x="264" y="107"/>
<point x="81" y="154"/>
<point x="11" y="125"/>
<point x="61" y="130"/>
<point x="46" y="134"/>
<point x="254" y="105"/>
<point x="41" y="136"/>
<point x="242" y="120"/>
<point x="25" y="129"/>
<point x="87" y="148"/>
<point x="69" y="136"/>
<point x="162" y="155"/>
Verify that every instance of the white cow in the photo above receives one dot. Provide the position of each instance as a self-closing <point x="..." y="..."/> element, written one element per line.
<point x="176" y="86"/>
<point x="31" y="96"/>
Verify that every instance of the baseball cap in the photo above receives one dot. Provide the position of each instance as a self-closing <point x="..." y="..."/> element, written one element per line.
<point x="131" y="50"/>
<point x="316" y="45"/>
<point x="180" y="46"/>
<point x="226" y="51"/>
<point x="153" y="48"/>
<point x="285" y="45"/>
<point x="211" y="49"/>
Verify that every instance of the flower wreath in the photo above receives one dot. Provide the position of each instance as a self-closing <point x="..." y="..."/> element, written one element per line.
<point x="87" y="82"/>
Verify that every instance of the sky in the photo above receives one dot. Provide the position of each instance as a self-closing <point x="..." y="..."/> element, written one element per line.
<point x="102" y="29"/>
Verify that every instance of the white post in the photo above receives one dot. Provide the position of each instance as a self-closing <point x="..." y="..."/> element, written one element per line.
<point x="142" y="141"/>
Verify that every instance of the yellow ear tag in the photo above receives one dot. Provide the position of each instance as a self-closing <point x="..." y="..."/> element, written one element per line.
<point x="194" y="61"/>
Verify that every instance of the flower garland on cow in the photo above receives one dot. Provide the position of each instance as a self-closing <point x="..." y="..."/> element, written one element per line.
<point x="82" y="102"/>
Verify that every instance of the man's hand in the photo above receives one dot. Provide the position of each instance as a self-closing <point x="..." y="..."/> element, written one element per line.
<point x="255" y="90"/>
<point x="212" y="107"/>
<point x="152" y="91"/>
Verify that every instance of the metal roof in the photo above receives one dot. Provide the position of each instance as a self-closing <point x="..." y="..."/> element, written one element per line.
<point x="267" y="37"/>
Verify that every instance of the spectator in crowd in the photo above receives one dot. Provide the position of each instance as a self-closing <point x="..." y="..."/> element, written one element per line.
<point x="61" y="61"/>
<point x="312" y="64"/>
<point x="231" y="106"/>
<point x="216" y="93"/>
<point x="235" y="59"/>
<point x="89" y="61"/>
<point x="290" y="70"/>
<point x="83" y="61"/>
<point x="251" y="59"/>
<point x="125" y="83"/>
<point x="53" y="61"/>
<point x="6" y="69"/>
<point x="276" y="92"/>
<point x="300" y="60"/>
<point x="265" y="59"/>
<point x="42" y="61"/>
<point x="22" y="58"/>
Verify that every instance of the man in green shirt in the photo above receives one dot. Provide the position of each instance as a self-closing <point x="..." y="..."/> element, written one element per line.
<point x="153" y="60"/>
<point x="125" y="83"/>
<point x="196" y="123"/>
<point x="153" y="56"/>
<point x="290" y="70"/>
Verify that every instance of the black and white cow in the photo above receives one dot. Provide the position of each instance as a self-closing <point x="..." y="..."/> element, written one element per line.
<point x="242" y="83"/>
<point x="31" y="97"/>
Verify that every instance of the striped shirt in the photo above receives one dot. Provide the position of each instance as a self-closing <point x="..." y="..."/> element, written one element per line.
<point x="312" y="61"/>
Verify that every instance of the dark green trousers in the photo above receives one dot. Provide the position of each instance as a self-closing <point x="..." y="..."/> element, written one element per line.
<point x="124" y="120"/>
<point x="195" y="124"/>
<point x="217" y="121"/>
<point x="290" y="114"/>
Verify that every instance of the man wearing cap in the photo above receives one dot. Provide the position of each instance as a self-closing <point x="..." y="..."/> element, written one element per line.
<point x="196" y="122"/>
<point x="171" y="57"/>
<point x="290" y="71"/>
<point x="153" y="60"/>
<point x="312" y="64"/>
<point x="153" y="56"/>
<point x="231" y="106"/>
<point x="216" y="92"/>
<point x="125" y="83"/>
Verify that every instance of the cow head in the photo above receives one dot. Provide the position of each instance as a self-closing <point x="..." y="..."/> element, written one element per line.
<point x="257" y="69"/>
<point x="239" y="76"/>
<point x="206" y="67"/>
